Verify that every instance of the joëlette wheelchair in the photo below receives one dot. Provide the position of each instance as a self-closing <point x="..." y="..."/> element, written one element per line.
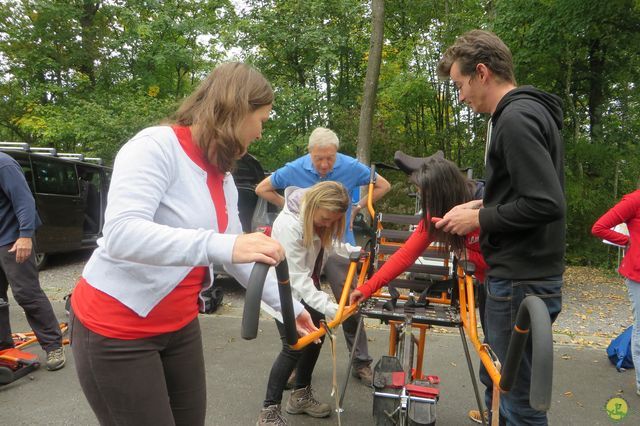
<point x="435" y="291"/>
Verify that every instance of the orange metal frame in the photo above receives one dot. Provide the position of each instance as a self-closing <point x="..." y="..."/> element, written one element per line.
<point x="467" y="313"/>
<point x="344" y="311"/>
<point x="13" y="356"/>
<point x="422" y="339"/>
<point x="469" y="322"/>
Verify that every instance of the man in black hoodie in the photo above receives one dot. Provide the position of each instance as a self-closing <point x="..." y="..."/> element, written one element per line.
<point x="522" y="215"/>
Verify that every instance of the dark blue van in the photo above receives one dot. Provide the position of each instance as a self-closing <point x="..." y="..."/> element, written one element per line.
<point x="70" y="191"/>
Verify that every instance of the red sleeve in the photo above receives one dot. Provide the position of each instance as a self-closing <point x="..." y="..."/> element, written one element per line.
<point x="399" y="261"/>
<point x="474" y="255"/>
<point x="622" y="212"/>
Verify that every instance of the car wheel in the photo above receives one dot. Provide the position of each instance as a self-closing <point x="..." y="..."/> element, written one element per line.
<point x="217" y="296"/>
<point x="41" y="260"/>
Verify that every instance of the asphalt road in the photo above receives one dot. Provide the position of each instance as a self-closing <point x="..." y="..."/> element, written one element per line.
<point x="237" y="370"/>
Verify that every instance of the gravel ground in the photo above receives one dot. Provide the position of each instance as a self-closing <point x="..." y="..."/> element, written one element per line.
<point x="595" y="307"/>
<point x="595" y="303"/>
<point x="61" y="273"/>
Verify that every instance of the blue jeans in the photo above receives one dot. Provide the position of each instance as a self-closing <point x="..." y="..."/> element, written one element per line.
<point x="634" y="296"/>
<point x="503" y="300"/>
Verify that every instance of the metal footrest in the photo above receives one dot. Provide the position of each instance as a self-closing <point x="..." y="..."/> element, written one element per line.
<point x="433" y="314"/>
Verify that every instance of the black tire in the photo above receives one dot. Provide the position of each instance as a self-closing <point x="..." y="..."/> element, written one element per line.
<point x="41" y="260"/>
<point x="6" y="375"/>
<point x="217" y="296"/>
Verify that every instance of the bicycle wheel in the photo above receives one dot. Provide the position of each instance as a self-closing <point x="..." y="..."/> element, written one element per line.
<point x="405" y="356"/>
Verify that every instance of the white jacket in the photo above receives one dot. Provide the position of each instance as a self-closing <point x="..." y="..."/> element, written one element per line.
<point x="160" y="222"/>
<point x="287" y="229"/>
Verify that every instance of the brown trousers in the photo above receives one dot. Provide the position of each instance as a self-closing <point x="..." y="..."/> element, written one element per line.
<point x="158" y="380"/>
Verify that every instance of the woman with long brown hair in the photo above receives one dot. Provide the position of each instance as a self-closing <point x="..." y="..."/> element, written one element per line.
<point x="172" y="213"/>
<point x="442" y="186"/>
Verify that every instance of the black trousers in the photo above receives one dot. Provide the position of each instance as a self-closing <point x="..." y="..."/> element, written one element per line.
<point x="303" y="361"/>
<point x="25" y="286"/>
<point x="158" y="380"/>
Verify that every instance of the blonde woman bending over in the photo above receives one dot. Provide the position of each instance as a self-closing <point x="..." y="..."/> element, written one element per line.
<point x="310" y="228"/>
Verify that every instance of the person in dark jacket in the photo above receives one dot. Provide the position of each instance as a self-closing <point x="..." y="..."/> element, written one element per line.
<point x="522" y="215"/>
<point x="18" y="223"/>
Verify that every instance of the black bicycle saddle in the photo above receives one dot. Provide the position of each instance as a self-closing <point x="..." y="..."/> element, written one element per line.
<point x="409" y="164"/>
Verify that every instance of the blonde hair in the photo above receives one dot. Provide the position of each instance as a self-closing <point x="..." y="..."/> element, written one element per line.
<point x="323" y="137"/>
<point x="215" y="110"/>
<point x="328" y="195"/>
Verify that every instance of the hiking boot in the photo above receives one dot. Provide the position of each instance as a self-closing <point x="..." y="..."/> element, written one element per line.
<point x="272" y="416"/>
<point x="364" y="373"/>
<point x="55" y="359"/>
<point x="475" y="416"/>
<point x="291" y="382"/>
<point x="302" y="401"/>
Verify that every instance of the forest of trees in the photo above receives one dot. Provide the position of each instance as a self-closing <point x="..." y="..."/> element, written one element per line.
<point x="84" y="76"/>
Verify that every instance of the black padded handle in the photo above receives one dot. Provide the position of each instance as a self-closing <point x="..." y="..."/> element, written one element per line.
<point x="251" y="312"/>
<point x="286" y="303"/>
<point x="532" y="314"/>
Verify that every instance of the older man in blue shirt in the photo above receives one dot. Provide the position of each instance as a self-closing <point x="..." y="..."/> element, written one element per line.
<point x="18" y="223"/>
<point x="324" y="162"/>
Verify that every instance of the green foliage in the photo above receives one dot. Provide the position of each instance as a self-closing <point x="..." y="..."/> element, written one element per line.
<point x="85" y="76"/>
<point x="313" y="52"/>
<point x="581" y="50"/>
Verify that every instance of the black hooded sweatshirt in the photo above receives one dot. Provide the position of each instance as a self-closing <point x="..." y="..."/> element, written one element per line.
<point x="523" y="220"/>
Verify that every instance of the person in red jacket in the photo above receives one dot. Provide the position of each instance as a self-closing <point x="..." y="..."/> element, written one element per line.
<point x="627" y="211"/>
<point x="442" y="186"/>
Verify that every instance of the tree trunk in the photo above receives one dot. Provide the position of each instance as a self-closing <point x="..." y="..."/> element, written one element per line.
<point x="90" y="50"/>
<point x="596" y="90"/>
<point x="371" y="81"/>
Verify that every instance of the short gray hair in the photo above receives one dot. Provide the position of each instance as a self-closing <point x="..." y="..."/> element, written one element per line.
<point x="323" y="137"/>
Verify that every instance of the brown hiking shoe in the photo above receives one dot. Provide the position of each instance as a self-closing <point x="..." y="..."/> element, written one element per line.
<point x="302" y="401"/>
<point x="475" y="416"/>
<point x="55" y="359"/>
<point x="364" y="373"/>
<point x="271" y="416"/>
